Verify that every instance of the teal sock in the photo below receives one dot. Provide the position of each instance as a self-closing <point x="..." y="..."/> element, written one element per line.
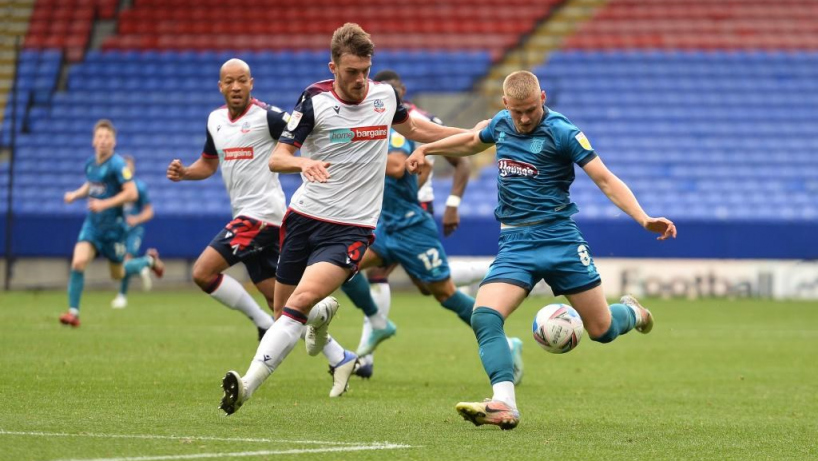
<point x="357" y="290"/>
<point x="76" y="281"/>
<point x="134" y="266"/>
<point x="623" y="319"/>
<point x="491" y="338"/>
<point x="123" y="286"/>
<point x="461" y="304"/>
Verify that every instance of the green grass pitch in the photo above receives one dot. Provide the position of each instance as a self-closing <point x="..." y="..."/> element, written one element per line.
<point x="716" y="379"/>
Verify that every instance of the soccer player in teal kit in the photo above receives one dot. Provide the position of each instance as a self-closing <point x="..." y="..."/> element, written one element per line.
<point x="536" y="152"/>
<point x="108" y="187"/>
<point x="137" y="213"/>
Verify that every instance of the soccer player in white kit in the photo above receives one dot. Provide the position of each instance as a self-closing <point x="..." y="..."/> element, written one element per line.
<point x="240" y="137"/>
<point x="342" y="128"/>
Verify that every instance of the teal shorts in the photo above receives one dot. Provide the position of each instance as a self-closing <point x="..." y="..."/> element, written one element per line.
<point x="555" y="252"/>
<point x="109" y="243"/>
<point x="416" y="248"/>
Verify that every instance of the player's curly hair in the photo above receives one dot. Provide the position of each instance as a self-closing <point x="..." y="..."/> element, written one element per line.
<point x="105" y="123"/>
<point x="521" y="85"/>
<point x="351" y="38"/>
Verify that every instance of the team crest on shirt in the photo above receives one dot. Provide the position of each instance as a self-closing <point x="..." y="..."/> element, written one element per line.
<point x="536" y="145"/>
<point x="516" y="169"/>
<point x="245" y="127"/>
<point x="379" y="107"/>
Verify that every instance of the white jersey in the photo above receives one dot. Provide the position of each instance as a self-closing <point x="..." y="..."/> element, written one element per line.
<point x="353" y="139"/>
<point x="243" y="147"/>
<point x="425" y="191"/>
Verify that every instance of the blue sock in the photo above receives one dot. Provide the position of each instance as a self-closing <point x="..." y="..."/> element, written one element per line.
<point x="491" y="338"/>
<point x="134" y="266"/>
<point x="357" y="290"/>
<point x="123" y="286"/>
<point x="623" y="320"/>
<point x="461" y="304"/>
<point x="75" y="284"/>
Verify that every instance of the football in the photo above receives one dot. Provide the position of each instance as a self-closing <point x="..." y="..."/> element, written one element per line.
<point x="557" y="328"/>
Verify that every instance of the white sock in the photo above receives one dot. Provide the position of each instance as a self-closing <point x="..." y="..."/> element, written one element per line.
<point x="74" y="311"/>
<point x="508" y="340"/>
<point x="333" y="351"/>
<point x="382" y="295"/>
<point x="504" y="392"/>
<point x="233" y="295"/>
<point x="366" y="330"/>
<point x="273" y="348"/>
<point x="468" y="272"/>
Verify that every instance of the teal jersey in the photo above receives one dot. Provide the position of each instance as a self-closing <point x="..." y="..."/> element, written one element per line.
<point x="401" y="208"/>
<point x="535" y="170"/>
<point x="136" y="207"/>
<point x="106" y="180"/>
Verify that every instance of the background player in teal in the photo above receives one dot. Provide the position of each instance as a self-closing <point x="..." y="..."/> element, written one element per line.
<point x="108" y="187"/>
<point x="407" y="235"/>
<point x="536" y="152"/>
<point x="137" y="213"/>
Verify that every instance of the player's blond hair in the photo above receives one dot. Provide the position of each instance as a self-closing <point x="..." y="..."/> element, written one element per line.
<point x="521" y="85"/>
<point x="351" y="38"/>
<point x="105" y="123"/>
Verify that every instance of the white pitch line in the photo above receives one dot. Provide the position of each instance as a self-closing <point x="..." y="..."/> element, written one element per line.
<point x="380" y="446"/>
<point x="173" y="437"/>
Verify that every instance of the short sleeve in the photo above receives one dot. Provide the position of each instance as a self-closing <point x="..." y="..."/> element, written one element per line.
<point x="401" y="113"/>
<point x="123" y="173"/>
<point x="209" y="149"/>
<point x="276" y="121"/>
<point x="300" y="123"/>
<point x="398" y="143"/>
<point x="487" y="134"/>
<point x="574" y="144"/>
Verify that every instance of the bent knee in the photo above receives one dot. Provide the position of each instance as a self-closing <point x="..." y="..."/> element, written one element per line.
<point x="204" y="278"/>
<point x="600" y="332"/>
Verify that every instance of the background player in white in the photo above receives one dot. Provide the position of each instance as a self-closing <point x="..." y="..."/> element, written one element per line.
<point x="240" y="137"/>
<point x="341" y="126"/>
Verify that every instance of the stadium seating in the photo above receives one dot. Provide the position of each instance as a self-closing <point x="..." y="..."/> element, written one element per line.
<point x="66" y="24"/>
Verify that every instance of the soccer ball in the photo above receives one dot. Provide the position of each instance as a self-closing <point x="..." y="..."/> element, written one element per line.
<point x="557" y="328"/>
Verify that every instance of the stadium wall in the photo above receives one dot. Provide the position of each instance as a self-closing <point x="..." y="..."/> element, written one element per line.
<point x="186" y="236"/>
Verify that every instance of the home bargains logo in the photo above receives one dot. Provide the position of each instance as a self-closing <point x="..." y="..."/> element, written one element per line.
<point x="238" y="153"/>
<point x="513" y="168"/>
<point x="364" y="133"/>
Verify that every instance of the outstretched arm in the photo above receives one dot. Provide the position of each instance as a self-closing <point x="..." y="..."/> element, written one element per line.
<point x="620" y="194"/>
<point x="202" y="168"/>
<point x="459" y="145"/>
<point x="422" y="130"/>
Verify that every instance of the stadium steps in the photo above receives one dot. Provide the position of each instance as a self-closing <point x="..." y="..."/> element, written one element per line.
<point x="548" y="36"/>
<point x="16" y="14"/>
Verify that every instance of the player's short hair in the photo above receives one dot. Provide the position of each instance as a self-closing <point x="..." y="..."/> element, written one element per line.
<point x="386" y="75"/>
<point x="351" y="38"/>
<point x="105" y="123"/>
<point x="521" y="85"/>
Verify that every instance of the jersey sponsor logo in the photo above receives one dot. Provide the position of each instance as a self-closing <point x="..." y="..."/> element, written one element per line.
<point x="536" y="145"/>
<point x="379" y="107"/>
<point x="583" y="141"/>
<point x="97" y="189"/>
<point x="295" y="118"/>
<point x="238" y="153"/>
<point x="513" y="168"/>
<point x="363" y="133"/>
